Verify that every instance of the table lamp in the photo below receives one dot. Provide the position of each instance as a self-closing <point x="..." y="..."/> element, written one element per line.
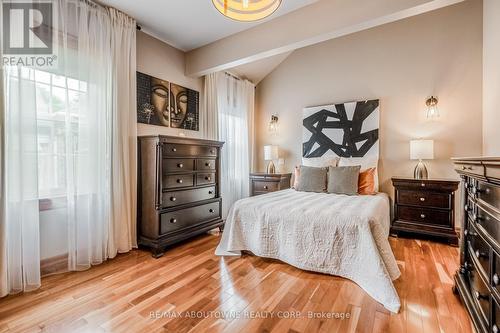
<point x="270" y="154"/>
<point x="421" y="150"/>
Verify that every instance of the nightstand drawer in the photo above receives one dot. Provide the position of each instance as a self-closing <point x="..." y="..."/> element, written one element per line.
<point x="265" y="186"/>
<point x="424" y="199"/>
<point x="424" y="215"/>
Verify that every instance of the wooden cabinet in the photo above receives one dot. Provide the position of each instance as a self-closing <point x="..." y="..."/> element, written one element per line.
<point x="178" y="189"/>
<point x="425" y="206"/>
<point x="261" y="183"/>
<point x="478" y="279"/>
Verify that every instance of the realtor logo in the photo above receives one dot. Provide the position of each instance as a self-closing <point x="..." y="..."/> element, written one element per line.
<point x="27" y="28"/>
<point x="27" y="34"/>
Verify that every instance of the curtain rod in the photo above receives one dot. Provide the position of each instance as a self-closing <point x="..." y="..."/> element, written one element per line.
<point x="233" y="76"/>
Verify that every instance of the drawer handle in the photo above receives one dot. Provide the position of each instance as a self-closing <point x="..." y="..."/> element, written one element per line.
<point x="173" y="198"/>
<point x="422" y="199"/>
<point x="265" y="187"/>
<point x="478" y="295"/>
<point x="172" y="220"/>
<point x="467" y="232"/>
<point x="207" y="164"/>
<point x="212" y="151"/>
<point x="174" y="149"/>
<point x="480" y="254"/>
<point x="179" y="181"/>
<point x="496" y="279"/>
<point x="210" y="210"/>
<point x="423" y="184"/>
<point x="180" y="165"/>
<point x="210" y="192"/>
<point x="467" y="266"/>
<point x="422" y="216"/>
<point x="466" y="168"/>
<point x="208" y="178"/>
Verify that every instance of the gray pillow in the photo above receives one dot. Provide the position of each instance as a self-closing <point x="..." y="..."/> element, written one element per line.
<point x="312" y="179"/>
<point x="343" y="180"/>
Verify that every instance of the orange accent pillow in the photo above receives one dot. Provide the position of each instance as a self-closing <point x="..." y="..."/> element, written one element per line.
<point x="366" y="182"/>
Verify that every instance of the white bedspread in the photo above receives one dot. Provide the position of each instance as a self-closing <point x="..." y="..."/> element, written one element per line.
<point x="334" y="234"/>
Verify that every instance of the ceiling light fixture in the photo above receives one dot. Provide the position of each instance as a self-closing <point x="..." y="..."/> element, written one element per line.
<point x="246" y="10"/>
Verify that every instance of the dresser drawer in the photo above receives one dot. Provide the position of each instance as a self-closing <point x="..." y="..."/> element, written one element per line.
<point x="174" y="150"/>
<point x="495" y="277"/>
<point x="205" y="178"/>
<point x="473" y="169"/>
<point x="488" y="193"/>
<point x="176" y="198"/>
<point x="489" y="222"/>
<point x="480" y="293"/>
<point x="205" y="164"/>
<point x="178" y="164"/>
<point x="479" y="249"/>
<point x="265" y="186"/>
<point x="495" y="325"/>
<point x="176" y="181"/>
<point x="188" y="217"/>
<point x="424" y="199"/>
<point x="424" y="215"/>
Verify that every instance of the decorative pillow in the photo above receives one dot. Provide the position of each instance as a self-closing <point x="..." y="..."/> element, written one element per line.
<point x="320" y="162"/>
<point x="366" y="163"/>
<point x="311" y="179"/>
<point x="366" y="182"/>
<point x="296" y="174"/>
<point x="343" y="180"/>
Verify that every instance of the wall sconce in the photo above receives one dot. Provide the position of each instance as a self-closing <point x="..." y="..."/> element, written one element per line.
<point x="273" y="125"/>
<point x="432" y="109"/>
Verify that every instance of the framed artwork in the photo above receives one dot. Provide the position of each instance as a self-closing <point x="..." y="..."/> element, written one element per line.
<point x="343" y="130"/>
<point x="163" y="103"/>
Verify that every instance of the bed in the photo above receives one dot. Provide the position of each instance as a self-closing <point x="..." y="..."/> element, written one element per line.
<point x="334" y="234"/>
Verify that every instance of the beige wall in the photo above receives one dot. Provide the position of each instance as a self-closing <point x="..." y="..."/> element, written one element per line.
<point x="401" y="63"/>
<point x="163" y="61"/>
<point x="491" y="78"/>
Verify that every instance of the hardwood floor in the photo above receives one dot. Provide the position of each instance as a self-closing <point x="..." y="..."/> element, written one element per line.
<point x="136" y="293"/>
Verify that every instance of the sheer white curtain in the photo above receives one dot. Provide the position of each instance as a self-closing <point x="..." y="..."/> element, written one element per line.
<point x="235" y="101"/>
<point x="210" y="118"/>
<point x="70" y="138"/>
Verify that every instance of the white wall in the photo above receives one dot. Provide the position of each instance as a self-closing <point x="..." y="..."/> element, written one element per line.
<point x="163" y="61"/>
<point x="401" y="63"/>
<point x="491" y="78"/>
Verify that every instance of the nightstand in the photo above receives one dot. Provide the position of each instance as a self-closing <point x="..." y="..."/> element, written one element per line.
<point x="261" y="183"/>
<point x="426" y="207"/>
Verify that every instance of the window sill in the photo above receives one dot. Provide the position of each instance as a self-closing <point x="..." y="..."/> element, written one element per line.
<point x="47" y="204"/>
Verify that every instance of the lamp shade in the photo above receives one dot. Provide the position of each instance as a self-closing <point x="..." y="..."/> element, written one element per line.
<point x="270" y="152"/>
<point x="422" y="149"/>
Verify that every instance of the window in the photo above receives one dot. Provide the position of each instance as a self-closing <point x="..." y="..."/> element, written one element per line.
<point x="58" y="101"/>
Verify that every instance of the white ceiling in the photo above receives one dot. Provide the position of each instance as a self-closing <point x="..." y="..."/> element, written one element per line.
<point x="189" y="24"/>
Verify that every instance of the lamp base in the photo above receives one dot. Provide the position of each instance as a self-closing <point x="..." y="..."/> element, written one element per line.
<point x="271" y="168"/>
<point x="420" y="171"/>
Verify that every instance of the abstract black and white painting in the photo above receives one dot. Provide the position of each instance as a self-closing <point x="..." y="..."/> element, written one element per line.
<point x="344" y="130"/>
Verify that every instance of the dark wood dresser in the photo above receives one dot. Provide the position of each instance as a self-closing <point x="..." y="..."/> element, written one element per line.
<point x="425" y="206"/>
<point x="478" y="279"/>
<point x="261" y="183"/>
<point x="178" y="189"/>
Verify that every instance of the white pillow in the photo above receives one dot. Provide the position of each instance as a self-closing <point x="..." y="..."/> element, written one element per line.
<point x="320" y="162"/>
<point x="366" y="162"/>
